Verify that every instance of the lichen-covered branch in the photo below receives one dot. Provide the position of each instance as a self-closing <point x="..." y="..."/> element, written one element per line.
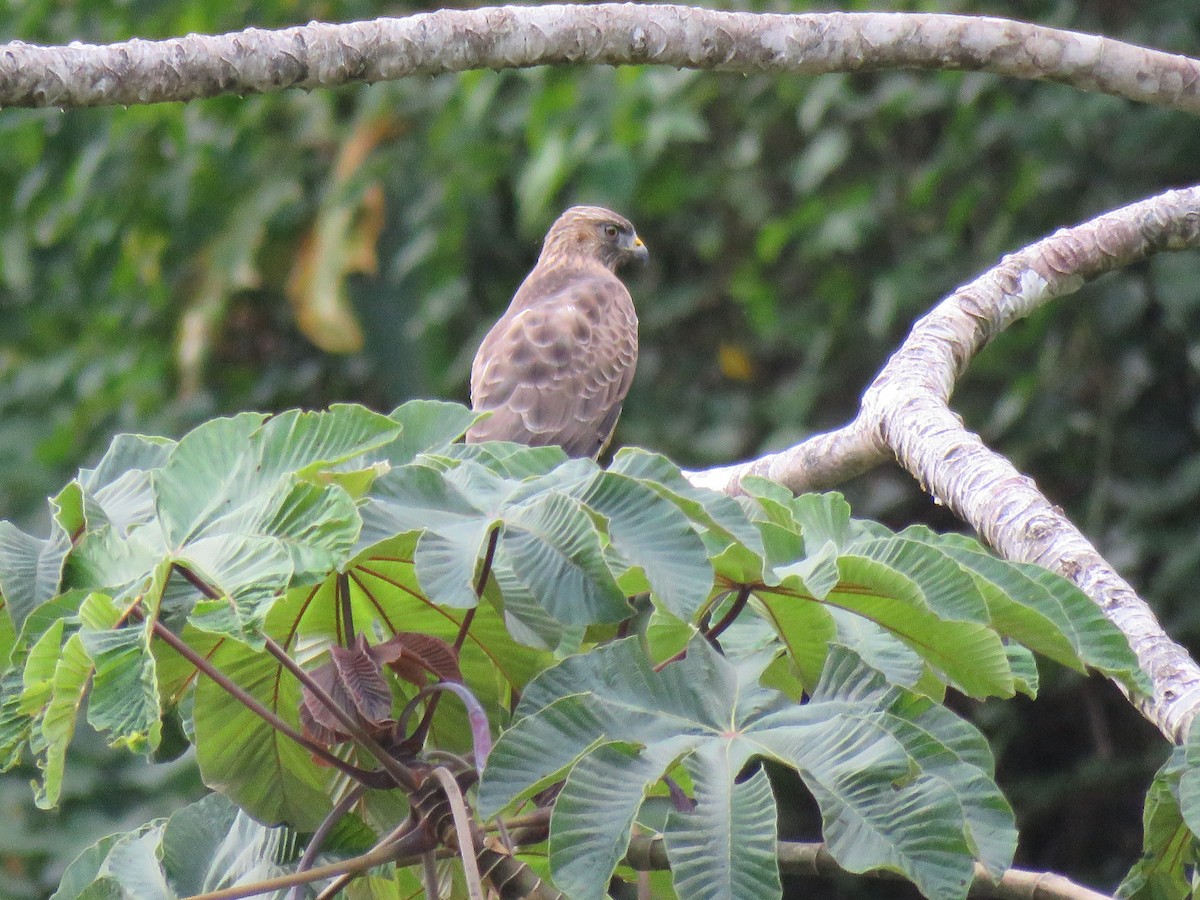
<point x="322" y="55"/>
<point x="905" y="413"/>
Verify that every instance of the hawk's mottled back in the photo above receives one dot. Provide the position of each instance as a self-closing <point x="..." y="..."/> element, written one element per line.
<point x="557" y="365"/>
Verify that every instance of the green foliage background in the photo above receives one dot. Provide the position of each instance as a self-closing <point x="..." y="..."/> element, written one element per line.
<point x="796" y="227"/>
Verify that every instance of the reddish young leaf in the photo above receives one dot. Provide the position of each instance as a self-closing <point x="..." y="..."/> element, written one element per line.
<point x="411" y="654"/>
<point x="330" y="680"/>
<point x="318" y="732"/>
<point x="363" y="681"/>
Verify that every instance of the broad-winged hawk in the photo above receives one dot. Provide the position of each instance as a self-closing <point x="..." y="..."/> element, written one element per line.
<point x="557" y="365"/>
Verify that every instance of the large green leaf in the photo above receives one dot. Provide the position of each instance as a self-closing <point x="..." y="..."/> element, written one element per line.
<point x="55" y="721"/>
<point x="219" y="474"/>
<point x="527" y="620"/>
<point x="926" y="817"/>
<point x="1171" y="849"/>
<point x="116" y="867"/>
<point x="234" y="503"/>
<point x="804" y="627"/>
<point x="1042" y="610"/>
<point x="30" y="569"/>
<point x="654" y="534"/>
<point x="903" y="784"/>
<point x="117" y="661"/>
<point x="425" y="425"/>
<point x="206" y="846"/>
<point x="206" y="477"/>
<point x="503" y="457"/>
<point x="124" y="701"/>
<point x="823" y="519"/>
<point x="27" y="685"/>
<point x="211" y="844"/>
<point x="720" y="515"/>
<point x="879" y="649"/>
<point x="728" y="814"/>
<point x="554" y="548"/>
<point x="911" y="606"/>
<point x="119" y="490"/>
<point x="942" y="598"/>
<point x="593" y="816"/>
<point x="547" y="540"/>
<point x="453" y="529"/>
<point x="84" y="871"/>
<point x="264" y="772"/>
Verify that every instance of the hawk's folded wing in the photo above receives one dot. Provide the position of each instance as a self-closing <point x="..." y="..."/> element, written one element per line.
<point x="557" y="370"/>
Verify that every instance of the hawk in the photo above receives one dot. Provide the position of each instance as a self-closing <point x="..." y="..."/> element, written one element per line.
<point x="556" y="366"/>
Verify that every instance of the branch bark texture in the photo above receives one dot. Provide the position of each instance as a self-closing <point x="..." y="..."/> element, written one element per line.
<point x="323" y="55"/>
<point x="905" y="413"/>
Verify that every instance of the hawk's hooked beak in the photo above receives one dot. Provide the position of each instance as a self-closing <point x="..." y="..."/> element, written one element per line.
<point x="637" y="251"/>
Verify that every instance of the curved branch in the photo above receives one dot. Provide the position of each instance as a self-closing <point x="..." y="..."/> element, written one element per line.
<point x="647" y="853"/>
<point x="905" y="413"/>
<point x="321" y="55"/>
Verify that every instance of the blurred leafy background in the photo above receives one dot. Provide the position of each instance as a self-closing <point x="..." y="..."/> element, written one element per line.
<point x="166" y="264"/>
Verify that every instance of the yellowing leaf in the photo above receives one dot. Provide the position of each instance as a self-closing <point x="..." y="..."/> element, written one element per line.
<point x="340" y="242"/>
<point x="735" y="363"/>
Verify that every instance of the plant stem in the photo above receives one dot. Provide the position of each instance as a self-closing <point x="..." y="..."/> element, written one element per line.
<point x="197" y="582"/>
<point x="364" y="776"/>
<point x="322" y="832"/>
<point x="739" y="603"/>
<point x="403" y="842"/>
<point x="537" y="819"/>
<point x="418" y="738"/>
<point x="430" y="874"/>
<point x="343" y="594"/>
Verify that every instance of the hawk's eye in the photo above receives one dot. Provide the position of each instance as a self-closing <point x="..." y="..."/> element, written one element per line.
<point x="610" y="231"/>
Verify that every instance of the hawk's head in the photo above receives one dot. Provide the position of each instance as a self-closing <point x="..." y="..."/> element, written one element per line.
<point x="592" y="233"/>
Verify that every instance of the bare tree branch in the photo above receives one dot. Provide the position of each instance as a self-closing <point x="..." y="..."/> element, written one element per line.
<point x="321" y="55"/>
<point x="905" y="413"/>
